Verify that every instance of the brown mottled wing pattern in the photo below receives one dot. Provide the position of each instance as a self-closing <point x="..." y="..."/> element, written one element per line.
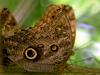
<point x="48" y="45"/>
<point x="8" y="24"/>
<point x="72" y="22"/>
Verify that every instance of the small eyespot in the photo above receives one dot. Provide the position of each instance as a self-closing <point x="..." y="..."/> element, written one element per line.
<point x="31" y="53"/>
<point x="53" y="17"/>
<point x="30" y="27"/>
<point x="5" y="51"/>
<point x="54" y="47"/>
<point x="5" y="8"/>
<point x="58" y="10"/>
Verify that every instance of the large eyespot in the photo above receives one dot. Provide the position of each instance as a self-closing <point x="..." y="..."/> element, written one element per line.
<point x="54" y="47"/>
<point x="31" y="53"/>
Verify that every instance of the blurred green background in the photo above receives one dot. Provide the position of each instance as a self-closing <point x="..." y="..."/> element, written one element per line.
<point x="87" y="44"/>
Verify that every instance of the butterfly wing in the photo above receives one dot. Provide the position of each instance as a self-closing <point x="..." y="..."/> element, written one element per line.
<point x="45" y="47"/>
<point x="8" y="24"/>
<point x="71" y="18"/>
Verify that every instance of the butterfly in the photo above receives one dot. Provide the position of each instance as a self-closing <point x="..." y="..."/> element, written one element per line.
<point x="43" y="48"/>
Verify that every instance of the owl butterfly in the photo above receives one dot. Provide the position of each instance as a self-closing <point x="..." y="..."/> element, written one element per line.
<point x="43" y="44"/>
<point x="44" y="48"/>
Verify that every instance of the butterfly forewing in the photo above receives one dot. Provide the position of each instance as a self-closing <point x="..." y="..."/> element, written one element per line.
<point x="8" y="24"/>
